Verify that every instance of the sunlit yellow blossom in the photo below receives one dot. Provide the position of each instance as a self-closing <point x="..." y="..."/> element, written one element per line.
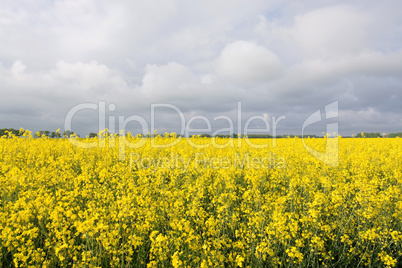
<point x="198" y="203"/>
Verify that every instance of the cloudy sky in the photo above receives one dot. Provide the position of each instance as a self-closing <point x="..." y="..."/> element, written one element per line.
<point x="273" y="58"/>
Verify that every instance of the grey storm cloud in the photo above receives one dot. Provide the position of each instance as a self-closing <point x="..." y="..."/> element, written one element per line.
<point x="276" y="58"/>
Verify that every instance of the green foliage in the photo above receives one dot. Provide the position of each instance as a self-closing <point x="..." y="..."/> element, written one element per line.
<point x="93" y="135"/>
<point x="43" y="133"/>
<point x="68" y="133"/>
<point x="55" y="135"/>
<point x="394" y="135"/>
<point x="368" y="135"/>
<point x="6" y="131"/>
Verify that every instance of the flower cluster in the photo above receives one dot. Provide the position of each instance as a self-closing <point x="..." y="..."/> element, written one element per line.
<point x="66" y="206"/>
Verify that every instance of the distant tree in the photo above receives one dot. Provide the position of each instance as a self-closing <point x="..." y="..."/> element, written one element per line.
<point x="394" y="135"/>
<point x="6" y="131"/>
<point x="93" y="135"/>
<point x="67" y="133"/>
<point x="205" y="135"/>
<point x="55" y="135"/>
<point x="259" y="136"/>
<point x="368" y="135"/>
<point x="43" y="133"/>
<point x="222" y="136"/>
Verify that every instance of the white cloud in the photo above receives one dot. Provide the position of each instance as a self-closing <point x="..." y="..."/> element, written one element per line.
<point x="331" y="31"/>
<point x="369" y="63"/>
<point x="246" y="62"/>
<point x="87" y="76"/>
<point x="18" y="67"/>
<point x="292" y="57"/>
<point x="169" y="81"/>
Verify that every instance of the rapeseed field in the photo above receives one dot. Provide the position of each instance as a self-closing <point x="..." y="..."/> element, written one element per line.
<point x="199" y="202"/>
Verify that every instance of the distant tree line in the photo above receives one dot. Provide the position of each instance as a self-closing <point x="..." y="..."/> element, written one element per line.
<point x="259" y="136"/>
<point x="377" y="135"/>
<point x="5" y="131"/>
<point x="46" y="133"/>
<point x="394" y="135"/>
<point x="54" y="135"/>
<point x="68" y="133"/>
<point x="368" y="135"/>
